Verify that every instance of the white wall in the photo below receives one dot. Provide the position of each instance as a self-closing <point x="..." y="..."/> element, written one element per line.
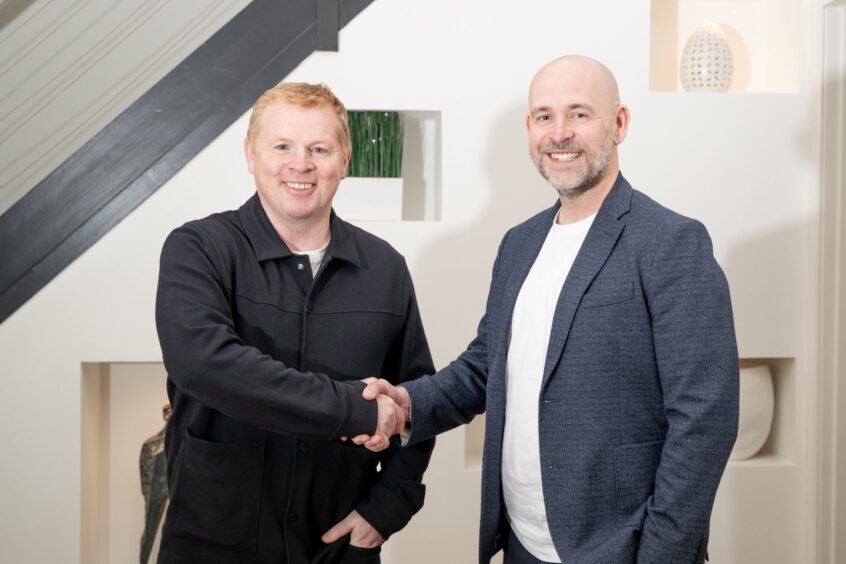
<point x="740" y="162"/>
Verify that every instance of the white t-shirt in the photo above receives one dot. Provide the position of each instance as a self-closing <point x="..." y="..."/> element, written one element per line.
<point x="315" y="258"/>
<point x="531" y="325"/>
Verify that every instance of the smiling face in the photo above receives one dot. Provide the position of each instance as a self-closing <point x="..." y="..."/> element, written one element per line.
<point x="297" y="161"/>
<point x="575" y="123"/>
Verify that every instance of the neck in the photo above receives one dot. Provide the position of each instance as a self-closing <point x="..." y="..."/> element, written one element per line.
<point x="302" y="235"/>
<point x="587" y="203"/>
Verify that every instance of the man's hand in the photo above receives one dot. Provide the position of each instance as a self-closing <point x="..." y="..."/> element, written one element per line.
<point x="381" y="390"/>
<point x="375" y="388"/>
<point x="390" y="421"/>
<point x="361" y="533"/>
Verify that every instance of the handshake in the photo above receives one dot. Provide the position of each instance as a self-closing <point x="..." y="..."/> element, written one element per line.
<point x="394" y="406"/>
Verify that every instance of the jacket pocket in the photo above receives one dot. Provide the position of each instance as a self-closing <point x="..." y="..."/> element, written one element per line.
<point x="346" y="474"/>
<point x="634" y="470"/>
<point x="359" y="555"/>
<point x="217" y="492"/>
<point x="342" y="552"/>
<point x="358" y="473"/>
<point x="607" y="296"/>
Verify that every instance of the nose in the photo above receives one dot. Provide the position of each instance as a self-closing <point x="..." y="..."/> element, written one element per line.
<point x="561" y="131"/>
<point x="300" y="160"/>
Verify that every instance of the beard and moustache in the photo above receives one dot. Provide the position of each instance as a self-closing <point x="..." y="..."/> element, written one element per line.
<point x="595" y="166"/>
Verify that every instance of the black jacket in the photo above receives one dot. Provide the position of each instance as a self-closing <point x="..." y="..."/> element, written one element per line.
<point x="264" y="363"/>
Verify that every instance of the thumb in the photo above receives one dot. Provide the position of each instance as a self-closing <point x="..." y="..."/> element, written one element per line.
<point x="341" y="529"/>
<point x="373" y="389"/>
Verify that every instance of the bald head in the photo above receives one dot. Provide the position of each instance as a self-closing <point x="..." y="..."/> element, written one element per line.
<point x="578" y="72"/>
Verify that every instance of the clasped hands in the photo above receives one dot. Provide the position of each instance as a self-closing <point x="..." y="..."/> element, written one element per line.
<point x="394" y="406"/>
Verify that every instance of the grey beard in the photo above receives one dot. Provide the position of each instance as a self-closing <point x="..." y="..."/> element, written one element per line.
<point x="591" y="177"/>
<point x="584" y="184"/>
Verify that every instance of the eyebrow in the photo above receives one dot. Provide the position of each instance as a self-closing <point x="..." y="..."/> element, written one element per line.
<point x="577" y="106"/>
<point x="281" y="139"/>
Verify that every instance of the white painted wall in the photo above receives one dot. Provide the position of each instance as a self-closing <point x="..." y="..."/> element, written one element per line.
<point x="742" y="163"/>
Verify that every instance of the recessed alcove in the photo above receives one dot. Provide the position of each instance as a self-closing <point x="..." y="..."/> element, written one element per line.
<point x="761" y="495"/>
<point x="416" y="196"/>
<point x="121" y="406"/>
<point x="778" y="450"/>
<point x="763" y="36"/>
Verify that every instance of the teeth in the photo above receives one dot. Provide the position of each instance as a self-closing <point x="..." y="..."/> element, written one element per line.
<point x="300" y="185"/>
<point x="563" y="156"/>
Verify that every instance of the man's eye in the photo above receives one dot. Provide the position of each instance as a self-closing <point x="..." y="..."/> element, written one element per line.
<point x="579" y="115"/>
<point x="281" y="147"/>
<point x="319" y="150"/>
<point x="543" y="117"/>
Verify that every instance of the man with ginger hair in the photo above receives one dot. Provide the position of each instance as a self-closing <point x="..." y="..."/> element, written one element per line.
<point x="606" y="360"/>
<point x="268" y="317"/>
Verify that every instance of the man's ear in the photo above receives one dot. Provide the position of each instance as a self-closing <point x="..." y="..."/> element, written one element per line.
<point x="248" y="154"/>
<point x="347" y="156"/>
<point x="621" y="123"/>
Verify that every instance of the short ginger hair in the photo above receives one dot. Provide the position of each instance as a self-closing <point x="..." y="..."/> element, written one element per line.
<point x="304" y="95"/>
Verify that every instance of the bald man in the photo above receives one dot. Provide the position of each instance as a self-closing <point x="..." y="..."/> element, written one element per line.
<point x="606" y="359"/>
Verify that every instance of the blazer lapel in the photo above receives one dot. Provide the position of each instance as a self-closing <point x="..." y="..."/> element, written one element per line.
<point x="531" y="247"/>
<point x="598" y="244"/>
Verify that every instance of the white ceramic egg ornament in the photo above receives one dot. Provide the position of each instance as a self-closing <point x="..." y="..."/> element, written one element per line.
<point x="706" y="63"/>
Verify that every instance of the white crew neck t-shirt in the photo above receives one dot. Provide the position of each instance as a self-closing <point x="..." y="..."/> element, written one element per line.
<point x="315" y="258"/>
<point x="531" y="325"/>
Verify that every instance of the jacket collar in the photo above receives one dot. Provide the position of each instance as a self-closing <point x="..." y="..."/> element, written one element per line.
<point x="619" y="200"/>
<point x="268" y="245"/>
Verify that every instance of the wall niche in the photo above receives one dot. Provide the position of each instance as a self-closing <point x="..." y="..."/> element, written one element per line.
<point x="121" y="407"/>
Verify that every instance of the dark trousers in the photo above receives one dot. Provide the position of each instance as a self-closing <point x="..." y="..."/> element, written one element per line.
<point x="516" y="554"/>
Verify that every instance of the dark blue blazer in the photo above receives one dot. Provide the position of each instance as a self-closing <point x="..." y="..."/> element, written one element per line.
<point x="638" y="406"/>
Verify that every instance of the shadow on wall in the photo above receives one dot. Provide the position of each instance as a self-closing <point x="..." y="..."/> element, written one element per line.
<point x="766" y="277"/>
<point x="452" y="292"/>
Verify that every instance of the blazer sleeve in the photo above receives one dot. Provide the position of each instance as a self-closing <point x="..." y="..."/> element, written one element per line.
<point x="399" y="492"/>
<point x="696" y="354"/>
<point x="457" y="393"/>
<point x="207" y="360"/>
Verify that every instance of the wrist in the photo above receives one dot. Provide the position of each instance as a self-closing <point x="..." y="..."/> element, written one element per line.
<point x="406" y="403"/>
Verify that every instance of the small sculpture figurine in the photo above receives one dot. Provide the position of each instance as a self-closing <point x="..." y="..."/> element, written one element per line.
<point x="153" y="485"/>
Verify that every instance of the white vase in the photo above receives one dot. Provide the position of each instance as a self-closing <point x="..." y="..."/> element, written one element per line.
<point x="706" y="63"/>
<point x="757" y="404"/>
